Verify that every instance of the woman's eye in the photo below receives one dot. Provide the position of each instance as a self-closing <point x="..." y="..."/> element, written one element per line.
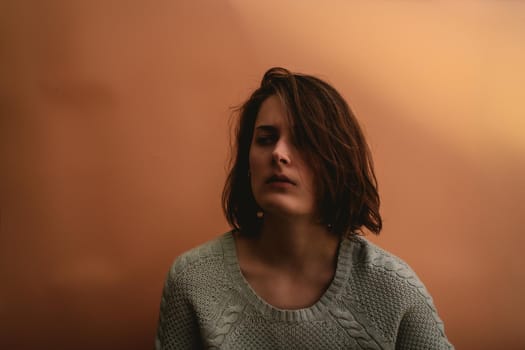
<point x="265" y="140"/>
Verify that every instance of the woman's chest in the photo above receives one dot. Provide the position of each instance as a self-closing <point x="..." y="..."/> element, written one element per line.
<point x="285" y="291"/>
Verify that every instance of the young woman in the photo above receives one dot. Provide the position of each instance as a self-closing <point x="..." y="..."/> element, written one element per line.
<point x="295" y="271"/>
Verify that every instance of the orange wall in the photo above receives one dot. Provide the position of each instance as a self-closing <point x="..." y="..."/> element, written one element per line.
<point x="114" y="138"/>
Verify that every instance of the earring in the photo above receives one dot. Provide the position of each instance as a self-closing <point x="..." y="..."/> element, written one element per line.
<point x="260" y="214"/>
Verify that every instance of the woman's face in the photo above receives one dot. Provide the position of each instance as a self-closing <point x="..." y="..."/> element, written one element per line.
<point x="281" y="181"/>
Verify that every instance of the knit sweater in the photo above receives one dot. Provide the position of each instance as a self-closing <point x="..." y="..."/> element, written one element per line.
<point x="375" y="301"/>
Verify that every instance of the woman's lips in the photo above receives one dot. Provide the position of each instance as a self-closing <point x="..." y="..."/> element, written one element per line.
<point x="279" y="179"/>
<point x="280" y="185"/>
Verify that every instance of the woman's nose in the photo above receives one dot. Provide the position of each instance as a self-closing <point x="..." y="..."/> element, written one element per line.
<point x="281" y="154"/>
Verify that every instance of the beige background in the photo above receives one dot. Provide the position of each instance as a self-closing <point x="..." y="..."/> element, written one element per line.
<point x="114" y="139"/>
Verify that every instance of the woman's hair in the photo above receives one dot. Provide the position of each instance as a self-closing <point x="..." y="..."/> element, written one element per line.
<point x="328" y="136"/>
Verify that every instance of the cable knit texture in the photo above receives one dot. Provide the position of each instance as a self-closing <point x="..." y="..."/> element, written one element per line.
<point x="375" y="301"/>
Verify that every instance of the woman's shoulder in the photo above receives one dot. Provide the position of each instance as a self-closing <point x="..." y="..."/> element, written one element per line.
<point x="200" y="257"/>
<point x="384" y="289"/>
<point x="371" y="259"/>
<point x="384" y="284"/>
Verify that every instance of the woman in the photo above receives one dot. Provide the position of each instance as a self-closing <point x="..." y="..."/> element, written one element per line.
<point x="295" y="271"/>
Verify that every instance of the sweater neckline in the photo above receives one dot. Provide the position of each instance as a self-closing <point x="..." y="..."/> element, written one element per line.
<point x="309" y="313"/>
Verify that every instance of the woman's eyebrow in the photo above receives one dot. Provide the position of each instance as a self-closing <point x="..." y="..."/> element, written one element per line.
<point x="268" y="128"/>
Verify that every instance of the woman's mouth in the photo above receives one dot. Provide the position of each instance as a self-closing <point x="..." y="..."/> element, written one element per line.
<point x="280" y="179"/>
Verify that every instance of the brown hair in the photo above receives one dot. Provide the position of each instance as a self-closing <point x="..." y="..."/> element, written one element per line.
<point x="328" y="135"/>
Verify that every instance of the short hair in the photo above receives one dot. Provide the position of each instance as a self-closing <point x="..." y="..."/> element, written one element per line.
<point x="330" y="139"/>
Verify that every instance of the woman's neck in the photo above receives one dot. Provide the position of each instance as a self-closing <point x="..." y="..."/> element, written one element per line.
<point x="295" y="244"/>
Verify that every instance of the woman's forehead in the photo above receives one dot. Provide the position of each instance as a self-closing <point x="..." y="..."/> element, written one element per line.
<point x="272" y="113"/>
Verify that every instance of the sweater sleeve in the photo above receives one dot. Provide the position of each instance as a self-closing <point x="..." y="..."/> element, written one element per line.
<point x="421" y="327"/>
<point x="177" y="325"/>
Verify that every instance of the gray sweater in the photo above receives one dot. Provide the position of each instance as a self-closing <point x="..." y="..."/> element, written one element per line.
<point x="375" y="301"/>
